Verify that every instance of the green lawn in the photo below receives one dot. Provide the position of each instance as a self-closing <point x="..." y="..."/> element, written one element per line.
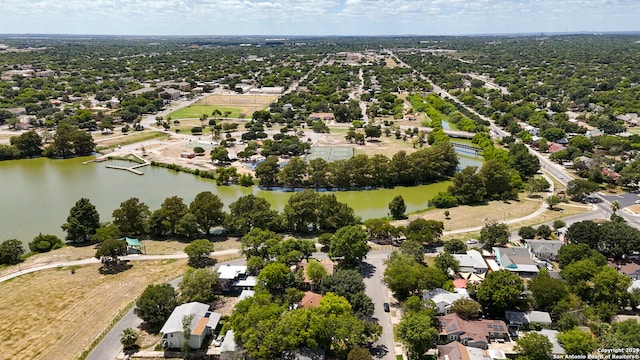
<point x="196" y="111"/>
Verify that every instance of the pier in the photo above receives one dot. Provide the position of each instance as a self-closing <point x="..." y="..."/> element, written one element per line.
<point x="133" y="168"/>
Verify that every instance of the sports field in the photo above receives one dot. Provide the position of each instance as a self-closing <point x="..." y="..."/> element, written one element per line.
<point x="196" y="112"/>
<point x="330" y="153"/>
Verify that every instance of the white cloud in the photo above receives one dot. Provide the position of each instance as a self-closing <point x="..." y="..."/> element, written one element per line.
<point x="315" y="16"/>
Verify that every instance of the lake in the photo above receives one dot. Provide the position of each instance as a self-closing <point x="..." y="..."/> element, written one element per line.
<point x="36" y="194"/>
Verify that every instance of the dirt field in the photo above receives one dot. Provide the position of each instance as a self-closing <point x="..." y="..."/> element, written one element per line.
<point x="385" y="145"/>
<point x="56" y="315"/>
<point x="247" y="103"/>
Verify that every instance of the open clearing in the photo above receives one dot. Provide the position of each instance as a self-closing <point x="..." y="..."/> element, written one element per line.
<point x="246" y="103"/>
<point x="196" y="112"/>
<point x="55" y="314"/>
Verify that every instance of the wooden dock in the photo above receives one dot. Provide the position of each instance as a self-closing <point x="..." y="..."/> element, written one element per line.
<point x="137" y="172"/>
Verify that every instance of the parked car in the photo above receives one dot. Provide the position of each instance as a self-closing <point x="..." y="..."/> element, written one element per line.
<point x="386" y="308"/>
<point x="472" y="241"/>
<point x="219" y="340"/>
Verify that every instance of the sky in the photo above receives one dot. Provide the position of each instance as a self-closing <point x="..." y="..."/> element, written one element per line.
<point x="316" y="17"/>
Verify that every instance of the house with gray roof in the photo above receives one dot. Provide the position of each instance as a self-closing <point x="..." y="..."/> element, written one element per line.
<point x="528" y="317"/>
<point x="443" y="299"/>
<point x="472" y="262"/>
<point x="197" y="317"/>
<point x="517" y="260"/>
<point x="544" y="249"/>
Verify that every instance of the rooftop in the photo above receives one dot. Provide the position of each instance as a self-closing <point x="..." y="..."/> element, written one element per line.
<point x="229" y="272"/>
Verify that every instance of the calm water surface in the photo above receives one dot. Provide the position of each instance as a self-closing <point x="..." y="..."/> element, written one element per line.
<point x="36" y="194"/>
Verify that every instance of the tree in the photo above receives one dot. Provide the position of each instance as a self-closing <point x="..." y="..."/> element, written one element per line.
<point x="275" y="277"/>
<point x="82" y="222"/>
<point x="579" y="188"/>
<point x="406" y="277"/>
<point x="250" y="212"/>
<point x="258" y="242"/>
<point x="546" y="291"/>
<point x="525" y="163"/>
<point x="468" y="186"/>
<point x="11" y="252"/>
<point x="417" y="334"/>
<point x="220" y="154"/>
<point x="610" y="286"/>
<point x="413" y="248"/>
<point x="28" y="143"/>
<point x="155" y="305"/>
<point x="494" y="234"/>
<point x="584" y="232"/>
<point x="615" y="206"/>
<point x="292" y="174"/>
<point x="497" y="177"/>
<point x="397" y="207"/>
<point x="199" y="252"/>
<point x="455" y="246"/>
<point x="553" y="200"/>
<point x="128" y="338"/>
<point x="424" y="231"/>
<point x="187" y="226"/>
<point x="198" y="285"/>
<point x="349" y="244"/>
<point x="577" y="342"/>
<point x="535" y="185"/>
<point x="624" y="334"/>
<point x="106" y="231"/>
<point x="527" y="232"/>
<point x="500" y="291"/>
<point x="533" y="346"/>
<point x="446" y="262"/>
<point x="166" y="218"/>
<point x="359" y="353"/>
<point x="343" y="282"/>
<point x="315" y="272"/>
<point x="109" y="254"/>
<point x="207" y="209"/>
<point x="45" y="243"/>
<point x="466" y="308"/>
<point x="132" y="217"/>
<point x="267" y="171"/>
<point x="544" y="231"/>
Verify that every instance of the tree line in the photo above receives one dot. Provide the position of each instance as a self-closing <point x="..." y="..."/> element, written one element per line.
<point x="67" y="141"/>
<point x="361" y="171"/>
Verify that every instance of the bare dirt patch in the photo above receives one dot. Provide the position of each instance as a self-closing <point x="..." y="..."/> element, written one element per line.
<point x="384" y="145"/>
<point x="55" y="314"/>
<point x="248" y="103"/>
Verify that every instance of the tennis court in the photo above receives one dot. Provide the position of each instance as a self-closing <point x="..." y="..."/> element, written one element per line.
<point x="330" y="153"/>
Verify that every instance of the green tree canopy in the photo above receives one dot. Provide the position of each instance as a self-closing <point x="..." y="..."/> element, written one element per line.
<point x="82" y="222"/>
<point x="155" y="305"/>
<point x="44" y="243"/>
<point x="533" y="346"/>
<point x="577" y="342"/>
<point x="250" y="212"/>
<point x="198" y="285"/>
<point x="132" y="217"/>
<point x="500" y="291"/>
<point x="494" y="234"/>
<point x="11" y="252"/>
<point x="349" y="244"/>
<point x="199" y="252"/>
<point x="397" y="207"/>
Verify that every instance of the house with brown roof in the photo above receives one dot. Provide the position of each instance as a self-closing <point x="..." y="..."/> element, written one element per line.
<point x="474" y="333"/>
<point x="310" y="299"/>
<point x="321" y="116"/>
<point x="629" y="267"/>
<point x="328" y="264"/>
<point x="457" y="351"/>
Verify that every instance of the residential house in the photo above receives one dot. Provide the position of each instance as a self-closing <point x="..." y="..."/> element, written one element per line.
<point x="472" y="262"/>
<point x="228" y="349"/>
<point x="528" y="317"/>
<point x="234" y="278"/>
<point x="629" y="267"/>
<point x="328" y="264"/>
<point x="457" y="351"/>
<point x="310" y="299"/>
<point x="517" y="260"/>
<point x="552" y="335"/>
<point x="304" y="354"/>
<point x="474" y="333"/>
<point x="544" y="249"/>
<point x="444" y="299"/>
<point x="202" y="324"/>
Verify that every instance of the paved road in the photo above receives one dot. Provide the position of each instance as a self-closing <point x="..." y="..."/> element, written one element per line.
<point x="373" y="269"/>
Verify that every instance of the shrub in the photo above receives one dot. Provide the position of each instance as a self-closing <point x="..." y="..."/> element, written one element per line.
<point x="45" y="243"/>
<point x="444" y="200"/>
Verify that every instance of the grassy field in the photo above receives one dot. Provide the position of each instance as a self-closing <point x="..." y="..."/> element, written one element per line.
<point x="55" y="314"/>
<point x="246" y="103"/>
<point x="132" y="138"/>
<point x="196" y="112"/>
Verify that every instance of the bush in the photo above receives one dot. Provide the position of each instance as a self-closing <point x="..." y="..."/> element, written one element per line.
<point x="444" y="200"/>
<point x="45" y="243"/>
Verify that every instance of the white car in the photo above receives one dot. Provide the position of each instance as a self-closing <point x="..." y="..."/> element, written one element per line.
<point x="472" y="241"/>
